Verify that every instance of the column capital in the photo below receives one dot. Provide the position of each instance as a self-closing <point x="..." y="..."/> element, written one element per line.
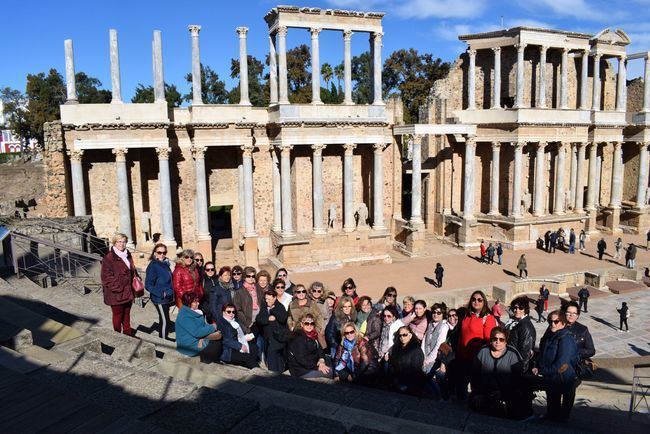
<point x="585" y="52"/>
<point x="194" y="29"/>
<point x="282" y="31"/>
<point x="314" y="32"/>
<point x="496" y="50"/>
<point x="198" y="151"/>
<point x="622" y="58"/>
<point x="75" y="155"/>
<point x="242" y="31"/>
<point x="543" y="48"/>
<point x="163" y="152"/>
<point x="642" y="144"/>
<point x="349" y="147"/>
<point x="471" y="52"/>
<point x="597" y="56"/>
<point x="617" y="144"/>
<point x="518" y="145"/>
<point x="248" y="150"/>
<point x="520" y="46"/>
<point x="542" y="145"/>
<point x="564" y="50"/>
<point x="378" y="35"/>
<point x="347" y="35"/>
<point x="318" y="148"/>
<point x="496" y="146"/>
<point x="120" y="153"/>
<point x="285" y="150"/>
<point x="378" y="147"/>
<point x="470" y="140"/>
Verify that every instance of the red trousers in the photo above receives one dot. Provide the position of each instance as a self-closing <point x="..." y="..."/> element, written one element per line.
<point x="122" y="318"/>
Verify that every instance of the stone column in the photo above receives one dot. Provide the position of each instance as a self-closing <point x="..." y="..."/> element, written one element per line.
<point x="315" y="67"/>
<point x="202" y="224"/>
<point x="617" y="176"/>
<point x="540" y="170"/>
<point x="249" y="201"/>
<point x="591" y="189"/>
<point x="243" y="67"/>
<point x="347" y="65"/>
<point x="70" y="79"/>
<point x="241" y="197"/>
<point x="77" y="177"/>
<point x="416" y="182"/>
<point x="277" y="192"/>
<point x="580" y="196"/>
<point x="468" y="178"/>
<point x="494" y="182"/>
<point x="646" y="85"/>
<point x="317" y="181"/>
<point x="158" y="74"/>
<point x="471" y="80"/>
<point x="542" y="77"/>
<point x="572" y="177"/>
<point x="564" y="78"/>
<point x="116" y="83"/>
<point x="376" y="69"/>
<point x="196" y="65"/>
<point x="273" y="71"/>
<point x="516" y="182"/>
<point x="282" y="48"/>
<point x="287" y="206"/>
<point x="378" y="187"/>
<point x="621" y="86"/>
<point x="584" y="77"/>
<point x="348" y="188"/>
<point x="642" y="186"/>
<point x="519" y="102"/>
<point x="558" y="207"/>
<point x="123" y="198"/>
<point x="595" y="98"/>
<point x="164" y="181"/>
<point x="496" y="84"/>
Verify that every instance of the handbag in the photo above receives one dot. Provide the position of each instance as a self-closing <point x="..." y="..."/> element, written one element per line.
<point x="585" y="369"/>
<point x="138" y="286"/>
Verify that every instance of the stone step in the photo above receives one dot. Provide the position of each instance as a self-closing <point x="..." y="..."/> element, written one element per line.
<point x="18" y="362"/>
<point x="123" y="347"/>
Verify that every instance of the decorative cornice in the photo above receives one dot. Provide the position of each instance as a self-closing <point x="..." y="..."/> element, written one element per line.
<point x="117" y="126"/>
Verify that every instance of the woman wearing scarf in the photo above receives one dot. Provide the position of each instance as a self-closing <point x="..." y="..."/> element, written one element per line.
<point x="305" y="355"/>
<point x="434" y="337"/>
<point x="117" y="274"/>
<point x="159" y="284"/>
<point x="419" y="319"/>
<point x="217" y="291"/>
<point x="368" y="320"/>
<point x="283" y="274"/>
<point x="356" y="360"/>
<point x="238" y="347"/>
<point x="249" y="300"/>
<point x="186" y="277"/>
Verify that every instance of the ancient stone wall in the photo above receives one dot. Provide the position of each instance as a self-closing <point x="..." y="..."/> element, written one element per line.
<point x="55" y="200"/>
<point x="24" y="184"/>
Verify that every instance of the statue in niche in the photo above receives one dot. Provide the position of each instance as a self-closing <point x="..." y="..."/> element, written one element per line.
<point x="362" y="216"/>
<point x="567" y="200"/>
<point x="647" y="195"/>
<point x="526" y="200"/>
<point x="145" y="225"/>
<point x="331" y="216"/>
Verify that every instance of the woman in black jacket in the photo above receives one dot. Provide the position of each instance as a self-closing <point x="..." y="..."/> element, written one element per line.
<point x="273" y="321"/>
<point x="522" y="334"/>
<point x="216" y="293"/>
<point x="345" y="312"/>
<point x="406" y="360"/>
<point x="238" y="347"/>
<point x="305" y="356"/>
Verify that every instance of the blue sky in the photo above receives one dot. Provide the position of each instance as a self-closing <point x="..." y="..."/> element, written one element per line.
<point x="34" y="42"/>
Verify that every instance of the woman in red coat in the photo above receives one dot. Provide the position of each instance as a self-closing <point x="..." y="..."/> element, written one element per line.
<point x="117" y="283"/>
<point x="186" y="278"/>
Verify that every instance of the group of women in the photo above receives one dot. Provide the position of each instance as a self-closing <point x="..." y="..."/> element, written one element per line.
<point x="244" y="317"/>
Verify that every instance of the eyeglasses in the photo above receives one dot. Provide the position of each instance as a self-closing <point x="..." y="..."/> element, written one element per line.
<point x="250" y="276"/>
<point x="280" y="287"/>
<point x="158" y="252"/>
<point x="236" y="273"/>
<point x="187" y="257"/>
<point x="571" y="313"/>
<point x="317" y="291"/>
<point x="209" y="269"/>
<point x="452" y="315"/>
<point x="349" y="287"/>
<point x="554" y="321"/>
<point x="391" y="295"/>
<point x="349" y="332"/>
<point x="476" y="299"/>
<point x="308" y="323"/>
<point x="403" y="335"/>
<point x="198" y="259"/>
<point x="388" y="316"/>
<point x="497" y="339"/>
<point x="282" y="275"/>
<point x="230" y="311"/>
<point x="517" y="308"/>
<point x="301" y="291"/>
<point x="437" y="312"/>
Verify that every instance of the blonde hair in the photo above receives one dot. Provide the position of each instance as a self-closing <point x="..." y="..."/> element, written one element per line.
<point x="357" y="335"/>
<point x="408" y="298"/>
<point x="119" y="236"/>
<point x="180" y="260"/>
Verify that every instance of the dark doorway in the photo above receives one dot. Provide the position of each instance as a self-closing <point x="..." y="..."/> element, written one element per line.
<point x="221" y="227"/>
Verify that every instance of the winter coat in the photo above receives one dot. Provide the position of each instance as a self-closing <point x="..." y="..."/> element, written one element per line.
<point x="483" y="250"/>
<point x="244" y="304"/>
<point x="296" y="312"/>
<point x="228" y="340"/>
<point x="439" y="272"/>
<point x="583" y="293"/>
<point x="303" y="353"/>
<point x="184" y="281"/>
<point x="190" y="328"/>
<point x="522" y="338"/>
<point x="274" y="331"/>
<point x="117" y="279"/>
<point x="392" y="329"/>
<point x="545" y="293"/>
<point x="364" y="356"/>
<point x="583" y="340"/>
<point x="405" y="366"/>
<point x="602" y="245"/>
<point x="474" y="333"/>
<point x="632" y="250"/>
<point x="490" y="251"/>
<point x="333" y="330"/>
<point x="490" y="374"/>
<point x="521" y="265"/>
<point x="499" y="250"/>
<point x="435" y="335"/>
<point x="572" y="238"/>
<point x="158" y="282"/>
<point x="558" y="356"/>
<point x="623" y="312"/>
<point x="373" y="328"/>
<point x="216" y="295"/>
<point x="324" y="310"/>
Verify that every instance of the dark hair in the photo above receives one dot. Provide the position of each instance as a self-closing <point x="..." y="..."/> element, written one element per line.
<point x="276" y="282"/>
<point x="560" y="315"/>
<point x="569" y="304"/>
<point x="361" y="300"/>
<point x="391" y="309"/>
<point x="386" y="292"/>
<point x="189" y="297"/>
<point x="227" y="305"/>
<point x="521" y="302"/>
<point x="271" y="292"/>
<point x="153" y="252"/>
<point x="281" y="269"/>
<point x="442" y="307"/>
<point x="263" y="273"/>
<point x="237" y="268"/>
<point x="484" y="310"/>
<point x="350" y="282"/>
<point x="224" y="269"/>
<point x="501" y="330"/>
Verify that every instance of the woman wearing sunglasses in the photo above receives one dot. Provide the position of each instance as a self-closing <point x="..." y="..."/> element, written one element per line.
<point x="305" y="356"/>
<point x="389" y="299"/>
<point x="302" y="305"/>
<point x="522" y="334"/>
<point x="158" y="282"/>
<point x="344" y="313"/>
<point x="356" y="359"/>
<point x="186" y="277"/>
<point x="405" y="362"/>
<point x="316" y="293"/>
<point x="217" y="289"/>
<point x="238" y="347"/>
<point x="558" y="355"/>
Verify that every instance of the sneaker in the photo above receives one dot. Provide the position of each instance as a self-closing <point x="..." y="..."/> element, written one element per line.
<point x="627" y="331"/>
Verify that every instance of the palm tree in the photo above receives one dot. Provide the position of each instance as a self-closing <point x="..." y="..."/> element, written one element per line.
<point x="326" y="72"/>
<point x="339" y="72"/>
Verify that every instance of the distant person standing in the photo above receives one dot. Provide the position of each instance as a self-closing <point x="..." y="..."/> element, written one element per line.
<point x="583" y="297"/>
<point x="572" y="242"/>
<point x="539" y="308"/>
<point x="547" y="241"/>
<point x="545" y="294"/>
<point x="582" y="238"/>
<point x="624" y="314"/>
<point x="490" y="254"/>
<point x="554" y="236"/>
<point x="631" y="256"/>
<point x="601" y="247"/>
<point x="647" y="240"/>
<point x="483" y="252"/>
<point x="522" y="266"/>
<point x="439" y="271"/>
<point x="618" y="247"/>
<point x="497" y="310"/>
<point x="500" y="253"/>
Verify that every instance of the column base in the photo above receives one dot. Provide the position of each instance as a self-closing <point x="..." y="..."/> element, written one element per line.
<point x="317" y="103"/>
<point x="204" y="246"/>
<point x="284" y="101"/>
<point x="613" y="220"/>
<point x="251" y="253"/>
<point x="494" y="213"/>
<point x="559" y="213"/>
<point x="287" y="234"/>
<point x="320" y="231"/>
<point x="349" y="229"/>
<point x="379" y="228"/>
<point x="250" y="234"/>
<point x="71" y="101"/>
<point x="245" y="103"/>
<point x="378" y="103"/>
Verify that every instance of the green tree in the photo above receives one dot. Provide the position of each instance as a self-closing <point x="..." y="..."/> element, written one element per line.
<point x="339" y="73"/>
<point x="145" y="94"/>
<point x="257" y="92"/>
<point x="362" y="88"/>
<point x="88" y="90"/>
<point x="45" y="93"/>
<point x="15" y="104"/>
<point x="299" y="74"/>
<point x="213" y="90"/>
<point x="327" y="74"/>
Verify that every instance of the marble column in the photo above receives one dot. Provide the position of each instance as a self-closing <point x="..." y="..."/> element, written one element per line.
<point x="77" y="178"/>
<point x="273" y="71"/>
<point x="560" y="198"/>
<point x="202" y="223"/>
<point x="572" y="176"/>
<point x="542" y="77"/>
<point x="642" y="185"/>
<point x="519" y="99"/>
<point x="617" y="176"/>
<point x="621" y="86"/>
<point x="241" y="197"/>
<point x="471" y="80"/>
<point x="595" y="98"/>
<point x="591" y="188"/>
<point x="348" y="188"/>
<point x="116" y="83"/>
<point x="123" y="197"/>
<point x="317" y="188"/>
<point x="249" y="201"/>
<point x="646" y="85"/>
<point x="378" y="187"/>
<point x="496" y="83"/>
<point x="315" y="67"/>
<point x="564" y="80"/>
<point x="540" y="170"/>
<point x="580" y="195"/>
<point x="416" y="182"/>
<point x="516" y="182"/>
<point x="347" y="66"/>
<point x="196" y="65"/>
<point x="158" y="72"/>
<point x="164" y="182"/>
<point x="468" y="178"/>
<point x="494" y="182"/>
<point x="376" y="69"/>
<point x="243" y="67"/>
<point x="282" y="57"/>
<point x="277" y="192"/>
<point x="584" y="79"/>
<point x="285" y="175"/>
<point x="70" y="79"/>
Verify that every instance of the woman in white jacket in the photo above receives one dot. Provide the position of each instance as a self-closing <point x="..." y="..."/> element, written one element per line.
<point x="389" y="327"/>
<point x="435" y="336"/>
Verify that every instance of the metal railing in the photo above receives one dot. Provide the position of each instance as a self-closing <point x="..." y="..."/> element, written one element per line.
<point x="640" y="390"/>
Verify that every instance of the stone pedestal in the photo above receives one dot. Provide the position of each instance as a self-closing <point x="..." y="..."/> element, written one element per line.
<point x="466" y="236"/>
<point x="590" y="223"/>
<point x="251" y="256"/>
<point x="613" y="220"/>
<point x="415" y="242"/>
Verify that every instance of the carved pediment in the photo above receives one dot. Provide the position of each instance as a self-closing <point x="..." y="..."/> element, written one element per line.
<point x="607" y="36"/>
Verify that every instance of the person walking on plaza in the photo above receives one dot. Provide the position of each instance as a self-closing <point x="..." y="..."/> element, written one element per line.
<point x="483" y="252"/>
<point x="572" y="242"/>
<point x="490" y="254"/>
<point x="544" y="293"/>
<point x="539" y="308"/>
<point x="554" y="237"/>
<point x="647" y="241"/>
<point x="500" y="253"/>
<point x="624" y="314"/>
<point x="583" y="296"/>
<point x="522" y="266"/>
<point x="582" y="238"/>
<point x="601" y="247"/>
<point x="439" y="271"/>
<point x="631" y="256"/>
<point x="547" y="241"/>
<point x="618" y="246"/>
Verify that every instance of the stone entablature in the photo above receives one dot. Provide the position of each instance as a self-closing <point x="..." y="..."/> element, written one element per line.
<point x="330" y="19"/>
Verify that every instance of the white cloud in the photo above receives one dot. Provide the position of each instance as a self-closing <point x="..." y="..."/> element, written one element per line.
<point x="577" y="9"/>
<point x="419" y="9"/>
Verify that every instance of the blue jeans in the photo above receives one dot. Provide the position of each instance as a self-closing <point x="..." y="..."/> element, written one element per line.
<point x="500" y="256"/>
<point x="572" y="248"/>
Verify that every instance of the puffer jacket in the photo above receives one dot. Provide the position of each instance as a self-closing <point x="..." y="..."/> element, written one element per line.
<point x="373" y="328"/>
<point x="216" y="296"/>
<point x="435" y="335"/>
<point x="522" y="337"/>
<point x="558" y="356"/>
<point x="184" y="281"/>
<point x="583" y="340"/>
<point x="158" y="282"/>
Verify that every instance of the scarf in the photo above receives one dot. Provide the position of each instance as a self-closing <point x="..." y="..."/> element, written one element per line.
<point x="252" y="290"/>
<point x="313" y="334"/>
<point x="385" y="339"/>
<point x="124" y="256"/>
<point x="226" y="285"/>
<point x="362" y="317"/>
<point x="346" y="360"/>
<point x="241" y="337"/>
